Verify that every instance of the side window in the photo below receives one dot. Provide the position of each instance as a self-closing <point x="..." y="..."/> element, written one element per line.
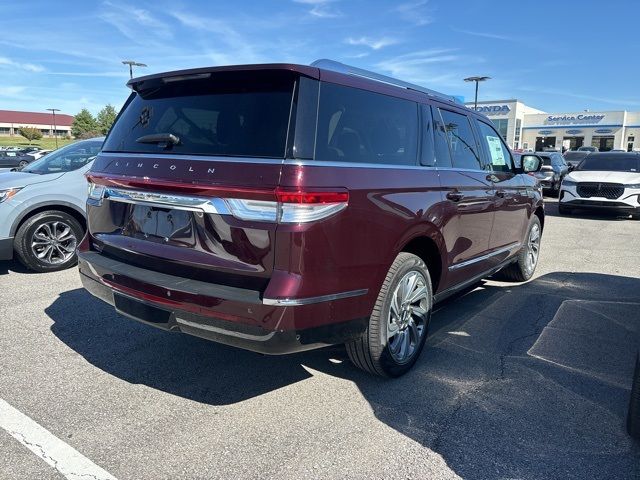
<point x="359" y="126"/>
<point x="464" y="151"/>
<point x="441" y="144"/>
<point x="499" y="157"/>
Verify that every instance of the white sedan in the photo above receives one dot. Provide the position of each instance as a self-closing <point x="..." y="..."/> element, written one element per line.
<point x="603" y="181"/>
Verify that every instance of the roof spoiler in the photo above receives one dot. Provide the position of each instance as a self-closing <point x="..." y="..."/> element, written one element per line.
<point x="339" y="67"/>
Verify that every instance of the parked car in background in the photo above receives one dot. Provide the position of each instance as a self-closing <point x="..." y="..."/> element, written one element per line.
<point x="217" y="210"/>
<point x="42" y="208"/>
<point x="554" y="169"/>
<point x="603" y="181"/>
<point x="11" y="159"/>
<point x="574" y="157"/>
<point x="587" y="148"/>
<point x="29" y="150"/>
<point x="39" y="154"/>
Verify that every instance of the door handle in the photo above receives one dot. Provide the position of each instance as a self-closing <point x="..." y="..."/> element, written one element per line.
<point x="500" y="193"/>
<point x="455" y="196"/>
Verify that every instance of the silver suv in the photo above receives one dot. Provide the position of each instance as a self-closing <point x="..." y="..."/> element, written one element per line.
<point x="42" y="207"/>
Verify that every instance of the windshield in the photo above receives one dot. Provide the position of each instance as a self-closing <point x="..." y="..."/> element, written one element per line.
<point x="611" y="163"/>
<point x="66" y="158"/>
<point x="228" y="113"/>
<point x="546" y="160"/>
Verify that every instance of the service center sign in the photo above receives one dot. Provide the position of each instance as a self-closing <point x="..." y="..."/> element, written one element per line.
<point x="581" y="118"/>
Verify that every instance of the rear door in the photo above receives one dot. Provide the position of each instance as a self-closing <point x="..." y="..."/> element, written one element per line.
<point x="191" y="167"/>
<point x="468" y="194"/>
<point x="510" y="192"/>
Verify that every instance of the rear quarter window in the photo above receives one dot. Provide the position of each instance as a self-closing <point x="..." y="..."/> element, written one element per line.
<point x="358" y="126"/>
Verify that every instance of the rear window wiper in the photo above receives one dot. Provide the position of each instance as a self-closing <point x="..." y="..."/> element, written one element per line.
<point x="163" y="140"/>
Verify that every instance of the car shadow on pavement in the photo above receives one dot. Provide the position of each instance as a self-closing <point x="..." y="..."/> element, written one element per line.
<point x="7" y="266"/>
<point x="516" y="381"/>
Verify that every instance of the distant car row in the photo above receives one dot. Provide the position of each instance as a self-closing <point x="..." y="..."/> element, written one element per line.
<point x="13" y="157"/>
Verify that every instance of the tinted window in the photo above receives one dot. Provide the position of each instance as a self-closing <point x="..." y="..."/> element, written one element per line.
<point x="428" y="157"/>
<point x="227" y="113"/>
<point x="464" y="152"/>
<point x="441" y="144"/>
<point x="359" y="126"/>
<point x="66" y="159"/>
<point x="546" y="160"/>
<point x="499" y="157"/>
<point x="611" y="163"/>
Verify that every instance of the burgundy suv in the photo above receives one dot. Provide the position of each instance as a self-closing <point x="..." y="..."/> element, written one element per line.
<point x="280" y="208"/>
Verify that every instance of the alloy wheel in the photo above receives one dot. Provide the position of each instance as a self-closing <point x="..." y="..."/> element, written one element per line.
<point x="533" y="248"/>
<point x="54" y="242"/>
<point x="408" y="316"/>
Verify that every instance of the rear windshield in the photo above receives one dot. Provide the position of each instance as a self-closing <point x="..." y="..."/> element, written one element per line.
<point x="611" y="163"/>
<point x="226" y="113"/>
<point x="546" y="160"/>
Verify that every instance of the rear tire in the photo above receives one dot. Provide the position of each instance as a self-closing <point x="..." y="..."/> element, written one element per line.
<point x="525" y="265"/>
<point x="47" y="241"/>
<point x="398" y="326"/>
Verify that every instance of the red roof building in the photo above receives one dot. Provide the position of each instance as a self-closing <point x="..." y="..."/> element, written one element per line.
<point x="11" y="121"/>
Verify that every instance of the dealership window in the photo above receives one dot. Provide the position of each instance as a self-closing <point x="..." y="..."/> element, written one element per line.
<point x="5" y="130"/>
<point x="501" y="125"/>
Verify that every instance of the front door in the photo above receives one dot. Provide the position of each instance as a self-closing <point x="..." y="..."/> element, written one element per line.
<point x="510" y="193"/>
<point x="467" y="192"/>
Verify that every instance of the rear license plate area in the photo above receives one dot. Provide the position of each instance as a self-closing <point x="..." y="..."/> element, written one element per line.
<point x="164" y="225"/>
<point x="140" y="311"/>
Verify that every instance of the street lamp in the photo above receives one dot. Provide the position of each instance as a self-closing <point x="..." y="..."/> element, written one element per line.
<point x="132" y="64"/>
<point x="55" y="127"/>
<point x="477" y="80"/>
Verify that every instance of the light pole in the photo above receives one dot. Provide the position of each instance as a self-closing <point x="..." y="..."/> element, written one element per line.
<point x="132" y="64"/>
<point x="55" y="127"/>
<point x="477" y="80"/>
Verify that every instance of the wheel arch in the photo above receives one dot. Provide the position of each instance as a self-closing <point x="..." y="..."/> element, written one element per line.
<point x="66" y="207"/>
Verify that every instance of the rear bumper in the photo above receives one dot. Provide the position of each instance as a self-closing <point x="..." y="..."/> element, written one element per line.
<point x="228" y="315"/>
<point x="6" y="248"/>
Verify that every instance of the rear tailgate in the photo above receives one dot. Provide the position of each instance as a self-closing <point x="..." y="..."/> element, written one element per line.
<point x="166" y="206"/>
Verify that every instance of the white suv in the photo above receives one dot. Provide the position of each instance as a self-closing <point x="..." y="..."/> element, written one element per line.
<point x="604" y="181"/>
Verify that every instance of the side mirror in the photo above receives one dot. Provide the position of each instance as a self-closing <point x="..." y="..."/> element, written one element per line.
<point x="531" y="163"/>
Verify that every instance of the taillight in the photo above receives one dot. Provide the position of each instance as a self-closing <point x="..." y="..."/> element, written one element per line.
<point x="291" y="206"/>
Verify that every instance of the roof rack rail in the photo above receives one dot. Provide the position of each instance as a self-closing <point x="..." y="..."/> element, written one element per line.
<point x="339" y="67"/>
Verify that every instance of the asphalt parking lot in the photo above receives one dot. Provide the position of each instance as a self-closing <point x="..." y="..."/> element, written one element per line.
<point x="517" y="381"/>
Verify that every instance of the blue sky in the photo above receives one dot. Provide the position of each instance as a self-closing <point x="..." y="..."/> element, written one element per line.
<point x="554" y="55"/>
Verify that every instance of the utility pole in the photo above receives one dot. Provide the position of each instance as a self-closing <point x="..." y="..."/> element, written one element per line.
<point x="55" y="127"/>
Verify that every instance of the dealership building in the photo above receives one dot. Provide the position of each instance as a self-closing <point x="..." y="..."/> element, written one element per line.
<point x="11" y="121"/>
<point x="528" y="128"/>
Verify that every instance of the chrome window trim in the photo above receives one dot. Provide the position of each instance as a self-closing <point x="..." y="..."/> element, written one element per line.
<point x="466" y="263"/>
<point x="287" y="302"/>
<point x="164" y="200"/>
<point x="321" y="163"/>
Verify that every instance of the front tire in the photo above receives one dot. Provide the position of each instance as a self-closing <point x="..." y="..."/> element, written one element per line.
<point x="525" y="265"/>
<point x="399" y="322"/>
<point x="47" y="241"/>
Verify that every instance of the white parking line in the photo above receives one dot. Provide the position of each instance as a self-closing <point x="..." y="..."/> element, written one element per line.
<point x="64" y="458"/>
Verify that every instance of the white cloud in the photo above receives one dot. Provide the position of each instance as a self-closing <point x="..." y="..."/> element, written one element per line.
<point x="29" y="67"/>
<point x="373" y="43"/>
<point x="11" y="91"/>
<point x="321" y="8"/>
<point x="136" y="24"/>
<point x="417" y="12"/>
<point x="425" y="67"/>
<point x="494" y="36"/>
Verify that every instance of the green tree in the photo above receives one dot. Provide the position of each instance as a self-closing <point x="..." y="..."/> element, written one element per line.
<point x="30" y="133"/>
<point x="83" y="123"/>
<point x="105" y="118"/>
